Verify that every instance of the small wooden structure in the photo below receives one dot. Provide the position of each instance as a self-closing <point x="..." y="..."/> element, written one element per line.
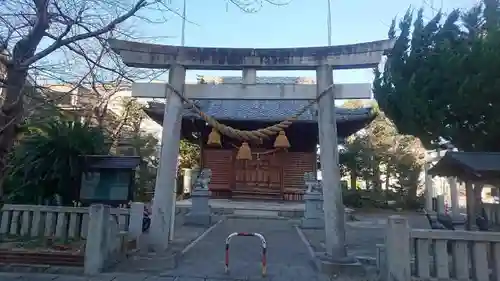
<point x="272" y="173"/>
<point x="473" y="168"/>
<point x="108" y="179"/>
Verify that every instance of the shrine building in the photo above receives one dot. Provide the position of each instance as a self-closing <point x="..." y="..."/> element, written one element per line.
<point x="271" y="173"/>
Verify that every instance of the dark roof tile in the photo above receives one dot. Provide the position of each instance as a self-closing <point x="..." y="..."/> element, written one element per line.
<point x="112" y="162"/>
<point x="484" y="166"/>
<point x="263" y="110"/>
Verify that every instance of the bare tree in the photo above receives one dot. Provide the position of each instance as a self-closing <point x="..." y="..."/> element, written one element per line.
<point x="103" y="93"/>
<point x="49" y="40"/>
<point x="65" y="41"/>
<point x="252" y="6"/>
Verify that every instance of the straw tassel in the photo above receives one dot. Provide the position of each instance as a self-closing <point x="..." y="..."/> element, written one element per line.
<point x="244" y="153"/>
<point x="214" y="138"/>
<point x="281" y="141"/>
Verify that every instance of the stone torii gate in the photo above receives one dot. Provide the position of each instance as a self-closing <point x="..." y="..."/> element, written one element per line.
<point x="321" y="59"/>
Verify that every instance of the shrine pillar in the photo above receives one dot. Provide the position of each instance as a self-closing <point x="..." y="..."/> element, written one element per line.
<point x="454" y="197"/>
<point x="429" y="188"/>
<point x="165" y="186"/>
<point x="332" y="193"/>
<point x="249" y="76"/>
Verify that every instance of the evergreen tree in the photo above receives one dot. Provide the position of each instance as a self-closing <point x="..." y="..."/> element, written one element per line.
<point x="440" y="79"/>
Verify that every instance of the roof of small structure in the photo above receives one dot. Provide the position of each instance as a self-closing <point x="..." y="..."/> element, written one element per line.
<point x="112" y="162"/>
<point x="469" y="166"/>
<point x="261" y="110"/>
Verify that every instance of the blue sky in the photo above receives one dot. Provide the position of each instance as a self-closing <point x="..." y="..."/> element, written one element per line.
<point x="300" y="23"/>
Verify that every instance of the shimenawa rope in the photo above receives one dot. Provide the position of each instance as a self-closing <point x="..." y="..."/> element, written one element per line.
<point x="254" y="135"/>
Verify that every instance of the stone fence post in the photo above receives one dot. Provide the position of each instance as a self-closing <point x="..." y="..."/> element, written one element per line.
<point x="397" y="243"/>
<point x="135" y="220"/>
<point x="441" y="207"/>
<point x="96" y="249"/>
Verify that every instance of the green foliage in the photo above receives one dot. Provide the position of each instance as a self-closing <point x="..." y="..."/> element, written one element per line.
<point x="440" y="79"/>
<point x="352" y="156"/>
<point x="378" y="152"/>
<point x="47" y="160"/>
<point x="354" y="104"/>
<point x="374" y="199"/>
<point x="145" y="146"/>
<point x="189" y="155"/>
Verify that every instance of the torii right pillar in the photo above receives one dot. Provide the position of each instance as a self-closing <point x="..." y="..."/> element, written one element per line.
<point x="335" y="238"/>
<point x="332" y="193"/>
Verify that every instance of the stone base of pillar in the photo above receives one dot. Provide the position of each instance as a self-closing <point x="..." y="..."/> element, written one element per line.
<point x="348" y="266"/>
<point x="312" y="223"/>
<point x="200" y="213"/>
<point x="198" y="219"/>
<point x="314" y="217"/>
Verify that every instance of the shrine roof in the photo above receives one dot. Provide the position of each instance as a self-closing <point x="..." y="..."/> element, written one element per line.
<point x="112" y="161"/>
<point x="260" y="110"/>
<point x="469" y="166"/>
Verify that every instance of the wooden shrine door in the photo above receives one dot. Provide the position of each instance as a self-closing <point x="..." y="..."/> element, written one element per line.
<point x="259" y="178"/>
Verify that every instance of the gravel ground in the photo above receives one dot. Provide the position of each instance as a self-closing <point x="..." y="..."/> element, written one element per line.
<point x="362" y="236"/>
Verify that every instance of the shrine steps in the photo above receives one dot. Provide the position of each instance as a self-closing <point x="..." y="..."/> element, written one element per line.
<point x="256" y="195"/>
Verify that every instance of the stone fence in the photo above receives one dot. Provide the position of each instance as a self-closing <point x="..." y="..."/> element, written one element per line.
<point x="107" y="231"/>
<point x="424" y="254"/>
<point x="63" y="222"/>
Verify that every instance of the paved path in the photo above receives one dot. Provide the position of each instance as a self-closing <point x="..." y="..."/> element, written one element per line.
<point x="288" y="258"/>
<point x="152" y="263"/>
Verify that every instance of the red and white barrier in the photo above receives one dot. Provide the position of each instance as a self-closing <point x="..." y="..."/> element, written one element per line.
<point x="264" y="249"/>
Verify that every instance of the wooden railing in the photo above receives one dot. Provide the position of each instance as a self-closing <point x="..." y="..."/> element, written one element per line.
<point x="293" y="195"/>
<point x="288" y="195"/>
<point x="422" y="254"/>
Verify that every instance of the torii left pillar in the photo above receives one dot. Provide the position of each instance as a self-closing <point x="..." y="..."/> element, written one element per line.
<point x="166" y="173"/>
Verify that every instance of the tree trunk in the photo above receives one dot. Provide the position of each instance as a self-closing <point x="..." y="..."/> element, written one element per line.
<point x="352" y="174"/>
<point x="377" y="184"/>
<point x="11" y="115"/>
<point x="412" y="192"/>
<point x="354" y="180"/>
<point x="11" y="112"/>
<point x="387" y="182"/>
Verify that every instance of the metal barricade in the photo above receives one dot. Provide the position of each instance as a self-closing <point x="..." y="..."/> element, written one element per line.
<point x="264" y="249"/>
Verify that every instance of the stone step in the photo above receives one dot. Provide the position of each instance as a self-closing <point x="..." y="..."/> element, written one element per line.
<point x="256" y="195"/>
<point x="260" y="197"/>
<point x="256" y="213"/>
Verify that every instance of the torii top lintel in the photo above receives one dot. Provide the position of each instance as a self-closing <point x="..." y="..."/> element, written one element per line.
<point x="354" y="56"/>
